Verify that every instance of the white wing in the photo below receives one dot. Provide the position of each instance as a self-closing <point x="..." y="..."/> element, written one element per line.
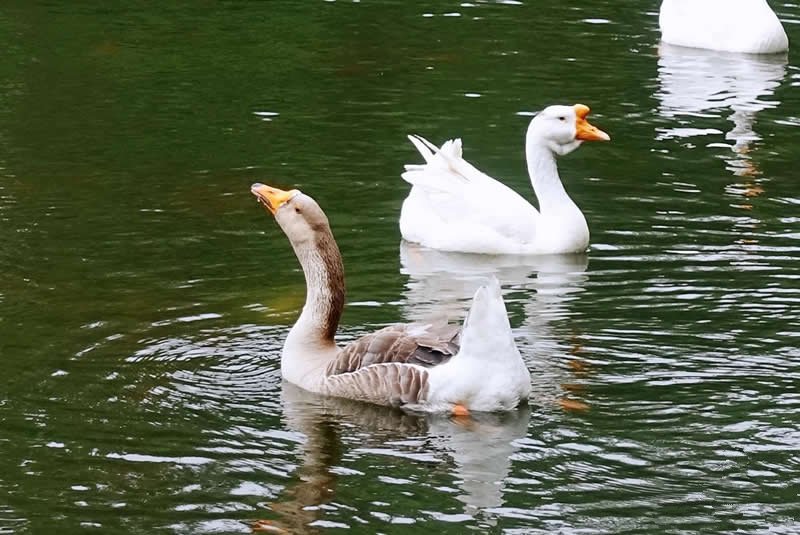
<point x="450" y="195"/>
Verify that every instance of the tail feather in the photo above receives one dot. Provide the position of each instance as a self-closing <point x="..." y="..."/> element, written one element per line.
<point x="442" y="168"/>
<point x="486" y="330"/>
<point x="425" y="147"/>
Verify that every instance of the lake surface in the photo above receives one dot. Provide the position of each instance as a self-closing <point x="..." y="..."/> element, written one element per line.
<point x="144" y="295"/>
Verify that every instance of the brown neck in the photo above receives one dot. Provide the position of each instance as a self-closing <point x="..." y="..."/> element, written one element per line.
<point x="325" y="290"/>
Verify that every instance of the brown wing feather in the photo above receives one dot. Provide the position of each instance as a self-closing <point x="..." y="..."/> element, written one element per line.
<point x="391" y="383"/>
<point x="420" y="344"/>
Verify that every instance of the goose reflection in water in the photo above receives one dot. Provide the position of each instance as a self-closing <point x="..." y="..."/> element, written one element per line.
<point x="442" y="283"/>
<point x="697" y="84"/>
<point x="480" y="448"/>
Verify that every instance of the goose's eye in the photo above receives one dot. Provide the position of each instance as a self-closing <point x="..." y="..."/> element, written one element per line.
<point x="297" y="209"/>
<point x="562" y="118"/>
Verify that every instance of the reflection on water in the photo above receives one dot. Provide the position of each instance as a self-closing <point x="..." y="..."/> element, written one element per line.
<point x="287" y="456"/>
<point x="697" y="85"/>
<point x="444" y="282"/>
<point x="480" y="447"/>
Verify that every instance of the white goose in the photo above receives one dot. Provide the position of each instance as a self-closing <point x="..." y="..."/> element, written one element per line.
<point x="454" y="207"/>
<point x="747" y="26"/>
<point x="433" y="367"/>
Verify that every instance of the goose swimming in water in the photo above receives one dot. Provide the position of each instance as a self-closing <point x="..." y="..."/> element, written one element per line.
<point x="452" y="206"/>
<point x="432" y="367"/>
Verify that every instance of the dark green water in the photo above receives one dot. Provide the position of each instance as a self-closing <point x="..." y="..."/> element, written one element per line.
<point x="144" y="296"/>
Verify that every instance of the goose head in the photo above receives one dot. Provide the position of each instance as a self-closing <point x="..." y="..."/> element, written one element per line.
<point x="298" y="215"/>
<point x="562" y="129"/>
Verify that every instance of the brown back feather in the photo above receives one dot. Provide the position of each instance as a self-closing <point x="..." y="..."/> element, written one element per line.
<point x="395" y="344"/>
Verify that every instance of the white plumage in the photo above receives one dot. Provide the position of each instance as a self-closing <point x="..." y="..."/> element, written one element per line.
<point x="452" y="206"/>
<point x="747" y="26"/>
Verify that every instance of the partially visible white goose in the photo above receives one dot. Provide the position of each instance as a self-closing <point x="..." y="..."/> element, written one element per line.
<point x="432" y="367"/>
<point x="454" y="207"/>
<point x="747" y="26"/>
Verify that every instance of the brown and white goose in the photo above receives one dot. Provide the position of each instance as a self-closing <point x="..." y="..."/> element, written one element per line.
<point x="433" y="367"/>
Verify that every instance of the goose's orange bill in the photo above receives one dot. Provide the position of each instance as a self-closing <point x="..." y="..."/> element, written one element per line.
<point x="271" y="198"/>
<point x="586" y="131"/>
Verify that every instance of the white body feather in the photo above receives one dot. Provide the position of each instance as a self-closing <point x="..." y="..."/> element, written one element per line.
<point x="454" y="207"/>
<point x="747" y="26"/>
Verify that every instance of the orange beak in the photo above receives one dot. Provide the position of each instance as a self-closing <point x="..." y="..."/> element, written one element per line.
<point x="272" y="198"/>
<point x="583" y="129"/>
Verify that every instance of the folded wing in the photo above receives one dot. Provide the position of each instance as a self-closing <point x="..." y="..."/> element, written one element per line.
<point x="449" y="188"/>
<point x="390" y="366"/>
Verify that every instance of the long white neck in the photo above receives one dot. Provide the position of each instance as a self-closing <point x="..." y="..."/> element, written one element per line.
<point x="310" y="342"/>
<point x="546" y="183"/>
